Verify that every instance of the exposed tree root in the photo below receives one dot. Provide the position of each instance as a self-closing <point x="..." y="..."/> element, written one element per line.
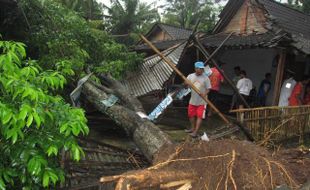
<point x="232" y="165"/>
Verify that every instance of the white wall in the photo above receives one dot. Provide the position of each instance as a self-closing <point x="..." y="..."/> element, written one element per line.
<point x="256" y="62"/>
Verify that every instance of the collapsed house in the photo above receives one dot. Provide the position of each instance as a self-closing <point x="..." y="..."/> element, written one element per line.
<point x="268" y="37"/>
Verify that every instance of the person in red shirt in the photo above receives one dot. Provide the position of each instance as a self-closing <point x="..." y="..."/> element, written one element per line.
<point x="216" y="78"/>
<point x="297" y="96"/>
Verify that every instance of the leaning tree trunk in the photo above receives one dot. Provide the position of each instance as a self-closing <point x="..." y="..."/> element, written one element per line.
<point x="147" y="136"/>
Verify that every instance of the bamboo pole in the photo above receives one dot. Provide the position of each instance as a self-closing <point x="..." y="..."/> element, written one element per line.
<point x="218" y="48"/>
<point x="263" y="122"/>
<point x="271" y="107"/>
<point x="185" y="79"/>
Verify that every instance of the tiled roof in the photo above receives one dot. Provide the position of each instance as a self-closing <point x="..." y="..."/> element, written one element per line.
<point x="176" y="32"/>
<point x="254" y="40"/>
<point x="279" y="18"/>
<point x="291" y="20"/>
<point x="153" y="73"/>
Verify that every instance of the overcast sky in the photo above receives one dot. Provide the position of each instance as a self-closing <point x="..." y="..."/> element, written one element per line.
<point x="156" y="2"/>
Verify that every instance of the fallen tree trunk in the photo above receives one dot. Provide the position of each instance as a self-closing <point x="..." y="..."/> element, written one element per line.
<point x="147" y="136"/>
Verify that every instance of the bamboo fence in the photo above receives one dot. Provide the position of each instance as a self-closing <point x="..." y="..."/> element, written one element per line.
<point x="276" y="123"/>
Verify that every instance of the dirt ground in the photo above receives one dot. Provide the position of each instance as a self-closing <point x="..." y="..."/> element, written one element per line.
<point x="223" y="164"/>
<point x="230" y="163"/>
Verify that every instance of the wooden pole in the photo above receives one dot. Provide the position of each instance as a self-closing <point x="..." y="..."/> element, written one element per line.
<point x="184" y="78"/>
<point x="279" y="78"/>
<point x="206" y="54"/>
<point x="218" y="48"/>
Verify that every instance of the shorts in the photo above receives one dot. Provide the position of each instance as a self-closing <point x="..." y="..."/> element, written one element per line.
<point x="196" y="111"/>
<point x="240" y="102"/>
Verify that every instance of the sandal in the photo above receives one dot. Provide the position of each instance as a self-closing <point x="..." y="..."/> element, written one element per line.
<point x="193" y="135"/>
<point x="188" y="130"/>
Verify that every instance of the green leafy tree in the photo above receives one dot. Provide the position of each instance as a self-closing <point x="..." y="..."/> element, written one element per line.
<point x="36" y="124"/>
<point x="186" y="13"/>
<point x="89" y="9"/>
<point x="302" y="5"/>
<point x="306" y="6"/>
<point x="60" y="35"/>
<point x="128" y="17"/>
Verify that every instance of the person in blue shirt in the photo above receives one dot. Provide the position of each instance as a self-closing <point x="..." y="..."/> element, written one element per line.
<point x="264" y="89"/>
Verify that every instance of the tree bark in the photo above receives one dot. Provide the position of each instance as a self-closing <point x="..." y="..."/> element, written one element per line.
<point x="147" y="136"/>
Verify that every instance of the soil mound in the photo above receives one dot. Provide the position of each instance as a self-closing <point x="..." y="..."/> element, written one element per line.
<point x="223" y="164"/>
<point x="227" y="164"/>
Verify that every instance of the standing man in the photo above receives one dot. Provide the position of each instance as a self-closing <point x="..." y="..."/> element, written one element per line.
<point x="244" y="86"/>
<point x="264" y="89"/>
<point x="286" y="89"/>
<point x="197" y="105"/>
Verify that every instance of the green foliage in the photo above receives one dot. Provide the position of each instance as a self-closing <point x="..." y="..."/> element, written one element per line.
<point x="59" y="35"/>
<point x="130" y="16"/>
<point x="35" y="125"/>
<point x="185" y="13"/>
<point x="112" y="57"/>
<point x="301" y="5"/>
<point x="89" y="9"/>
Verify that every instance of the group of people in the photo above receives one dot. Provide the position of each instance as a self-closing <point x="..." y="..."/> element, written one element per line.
<point x="295" y="92"/>
<point x="247" y="90"/>
<point x="208" y="83"/>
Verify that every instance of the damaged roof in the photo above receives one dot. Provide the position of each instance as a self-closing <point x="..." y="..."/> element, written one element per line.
<point x="252" y="40"/>
<point x="153" y="73"/>
<point x="176" y="32"/>
<point x="291" y="21"/>
<point x="280" y="20"/>
<point x="173" y="35"/>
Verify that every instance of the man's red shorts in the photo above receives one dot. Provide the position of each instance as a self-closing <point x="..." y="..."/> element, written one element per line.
<point x="196" y="111"/>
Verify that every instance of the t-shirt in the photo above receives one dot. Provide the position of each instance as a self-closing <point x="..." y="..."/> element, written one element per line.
<point x="202" y="83"/>
<point x="297" y="91"/>
<point x="264" y="87"/>
<point x="286" y="91"/>
<point x="244" y="86"/>
<point x="216" y="78"/>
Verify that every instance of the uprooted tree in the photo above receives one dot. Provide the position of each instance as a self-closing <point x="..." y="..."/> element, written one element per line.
<point x="66" y="43"/>
<point x="148" y="137"/>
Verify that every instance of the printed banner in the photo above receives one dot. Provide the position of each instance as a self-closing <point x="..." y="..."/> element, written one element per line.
<point x="160" y="108"/>
<point x="110" y="101"/>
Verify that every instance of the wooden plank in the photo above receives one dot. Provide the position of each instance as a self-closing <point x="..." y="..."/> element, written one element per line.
<point x="244" y="18"/>
<point x="279" y="78"/>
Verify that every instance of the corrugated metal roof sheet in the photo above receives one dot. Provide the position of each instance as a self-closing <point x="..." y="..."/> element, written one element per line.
<point x="153" y="73"/>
